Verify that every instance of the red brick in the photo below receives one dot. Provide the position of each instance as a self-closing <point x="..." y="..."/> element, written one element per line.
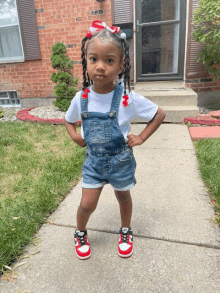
<point x="205" y="89"/>
<point x="192" y="85"/>
<point x="215" y="114"/>
<point x="207" y="84"/>
<point x="198" y="133"/>
<point x="204" y="116"/>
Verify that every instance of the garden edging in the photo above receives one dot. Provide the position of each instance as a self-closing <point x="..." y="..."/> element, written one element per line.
<point x="25" y="116"/>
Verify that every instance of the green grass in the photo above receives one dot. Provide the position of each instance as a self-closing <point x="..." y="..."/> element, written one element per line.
<point x="208" y="154"/>
<point x="38" y="166"/>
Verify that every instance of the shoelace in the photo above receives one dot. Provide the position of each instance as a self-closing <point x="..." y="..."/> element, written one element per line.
<point x="124" y="237"/>
<point x="82" y="239"/>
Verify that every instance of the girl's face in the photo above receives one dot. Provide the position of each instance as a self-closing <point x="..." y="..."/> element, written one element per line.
<point x="104" y="63"/>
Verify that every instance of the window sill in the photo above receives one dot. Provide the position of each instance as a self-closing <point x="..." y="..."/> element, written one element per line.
<point x="11" y="61"/>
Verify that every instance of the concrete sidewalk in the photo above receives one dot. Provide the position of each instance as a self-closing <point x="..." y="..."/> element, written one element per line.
<point x="176" y="244"/>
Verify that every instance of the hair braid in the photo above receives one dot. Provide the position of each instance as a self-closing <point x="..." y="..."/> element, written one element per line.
<point x="84" y="64"/>
<point x="127" y="67"/>
<point x="120" y="75"/>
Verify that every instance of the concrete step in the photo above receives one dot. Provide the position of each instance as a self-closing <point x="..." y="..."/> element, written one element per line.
<point x="171" y="84"/>
<point x="180" y="97"/>
<point x="177" y="101"/>
<point x="176" y="114"/>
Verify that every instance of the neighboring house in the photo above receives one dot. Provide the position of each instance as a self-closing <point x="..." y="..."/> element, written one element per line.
<point x="159" y="36"/>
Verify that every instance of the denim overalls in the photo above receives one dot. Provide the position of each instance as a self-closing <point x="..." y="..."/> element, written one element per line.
<point x="108" y="158"/>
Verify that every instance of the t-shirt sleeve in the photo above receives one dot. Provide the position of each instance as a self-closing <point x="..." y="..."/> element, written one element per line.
<point x="73" y="113"/>
<point x="142" y="108"/>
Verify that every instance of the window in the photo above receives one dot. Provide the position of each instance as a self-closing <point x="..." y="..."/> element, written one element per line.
<point x="10" y="37"/>
<point x="9" y="99"/>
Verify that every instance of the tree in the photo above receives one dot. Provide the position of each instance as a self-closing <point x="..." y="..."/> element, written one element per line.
<point x="207" y="30"/>
<point x="65" y="82"/>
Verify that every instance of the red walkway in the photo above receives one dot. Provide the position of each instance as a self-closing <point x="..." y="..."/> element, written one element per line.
<point x="204" y="132"/>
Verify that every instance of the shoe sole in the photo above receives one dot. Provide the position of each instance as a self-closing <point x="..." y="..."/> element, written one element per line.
<point x="83" y="257"/>
<point x="124" y="256"/>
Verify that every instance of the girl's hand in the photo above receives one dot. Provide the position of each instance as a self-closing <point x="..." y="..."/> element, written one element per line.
<point x="134" y="140"/>
<point x="76" y="137"/>
<point x="79" y="140"/>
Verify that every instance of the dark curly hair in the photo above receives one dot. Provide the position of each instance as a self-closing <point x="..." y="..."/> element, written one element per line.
<point x="120" y="43"/>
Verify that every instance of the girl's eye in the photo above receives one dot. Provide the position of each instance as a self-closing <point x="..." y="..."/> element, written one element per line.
<point x="110" y="61"/>
<point x="92" y="59"/>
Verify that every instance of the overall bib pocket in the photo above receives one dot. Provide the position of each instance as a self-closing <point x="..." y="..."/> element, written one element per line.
<point x="99" y="132"/>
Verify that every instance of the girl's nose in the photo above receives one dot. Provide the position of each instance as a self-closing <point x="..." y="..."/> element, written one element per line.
<point x="100" y="66"/>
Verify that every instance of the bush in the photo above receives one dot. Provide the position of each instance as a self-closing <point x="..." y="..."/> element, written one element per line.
<point x="207" y="30"/>
<point x="1" y="112"/>
<point x="65" y="88"/>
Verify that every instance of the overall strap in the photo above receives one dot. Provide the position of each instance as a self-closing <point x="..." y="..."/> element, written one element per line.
<point x="116" y="98"/>
<point x="84" y="104"/>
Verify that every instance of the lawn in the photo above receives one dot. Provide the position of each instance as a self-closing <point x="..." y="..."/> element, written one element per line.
<point x="39" y="164"/>
<point x="208" y="154"/>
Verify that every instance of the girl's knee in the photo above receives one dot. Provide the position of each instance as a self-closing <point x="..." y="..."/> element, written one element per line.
<point x="89" y="200"/>
<point x="87" y="208"/>
<point x="123" y="196"/>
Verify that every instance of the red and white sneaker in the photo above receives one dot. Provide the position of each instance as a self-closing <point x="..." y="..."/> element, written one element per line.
<point x="125" y="244"/>
<point x="82" y="246"/>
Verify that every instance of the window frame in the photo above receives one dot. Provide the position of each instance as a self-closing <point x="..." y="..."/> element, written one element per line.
<point x="14" y="59"/>
<point x="28" y="32"/>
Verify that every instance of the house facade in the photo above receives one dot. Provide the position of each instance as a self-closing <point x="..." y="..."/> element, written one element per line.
<point x="158" y="33"/>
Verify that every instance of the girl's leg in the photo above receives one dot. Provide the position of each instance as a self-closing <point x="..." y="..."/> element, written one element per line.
<point x="125" y="203"/>
<point x="87" y="206"/>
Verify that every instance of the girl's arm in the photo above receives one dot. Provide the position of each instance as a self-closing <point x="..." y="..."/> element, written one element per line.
<point x="76" y="137"/>
<point x="151" y="127"/>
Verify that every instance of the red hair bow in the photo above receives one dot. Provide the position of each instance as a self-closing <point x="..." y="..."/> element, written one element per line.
<point x="125" y="102"/>
<point x="85" y="95"/>
<point x="97" y="26"/>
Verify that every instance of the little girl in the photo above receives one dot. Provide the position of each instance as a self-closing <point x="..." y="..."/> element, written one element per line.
<point x="106" y="111"/>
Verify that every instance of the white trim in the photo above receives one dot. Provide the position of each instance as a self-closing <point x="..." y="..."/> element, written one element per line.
<point x="19" y="30"/>
<point x="8" y="25"/>
<point x="2" y="61"/>
<point x="11" y="61"/>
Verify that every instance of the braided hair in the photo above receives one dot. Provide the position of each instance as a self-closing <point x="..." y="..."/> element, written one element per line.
<point x="120" y="43"/>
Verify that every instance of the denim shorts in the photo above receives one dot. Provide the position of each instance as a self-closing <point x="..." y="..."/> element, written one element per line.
<point x="118" y="169"/>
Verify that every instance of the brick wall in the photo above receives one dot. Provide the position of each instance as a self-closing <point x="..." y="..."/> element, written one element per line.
<point x="203" y="84"/>
<point x="65" y="21"/>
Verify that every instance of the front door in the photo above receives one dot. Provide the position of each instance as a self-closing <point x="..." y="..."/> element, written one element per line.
<point x="161" y="30"/>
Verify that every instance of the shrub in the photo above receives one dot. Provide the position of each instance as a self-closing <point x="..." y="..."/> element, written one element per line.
<point x="207" y="30"/>
<point x="66" y="83"/>
<point x="1" y="112"/>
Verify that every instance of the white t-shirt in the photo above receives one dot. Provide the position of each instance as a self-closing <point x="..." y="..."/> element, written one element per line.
<point x="138" y="108"/>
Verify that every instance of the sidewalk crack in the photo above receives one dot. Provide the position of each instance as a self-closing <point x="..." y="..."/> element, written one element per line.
<point x="206" y="245"/>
